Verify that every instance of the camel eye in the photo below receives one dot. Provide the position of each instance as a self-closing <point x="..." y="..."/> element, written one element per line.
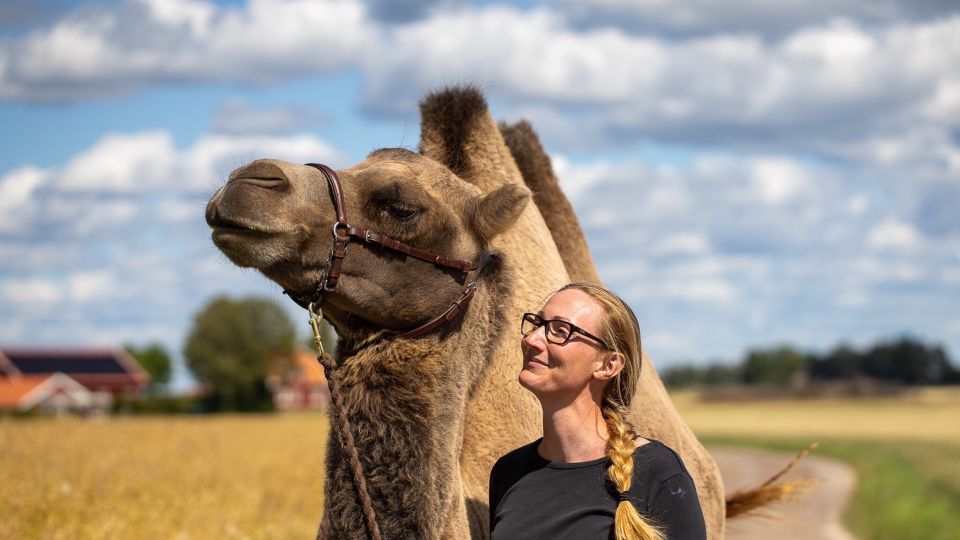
<point x="400" y="210"/>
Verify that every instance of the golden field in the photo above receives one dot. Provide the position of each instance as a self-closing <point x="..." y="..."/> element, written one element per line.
<point x="166" y="477"/>
<point x="261" y="476"/>
<point x="929" y="414"/>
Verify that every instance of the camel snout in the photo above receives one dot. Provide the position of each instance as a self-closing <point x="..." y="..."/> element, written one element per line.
<point x="212" y="215"/>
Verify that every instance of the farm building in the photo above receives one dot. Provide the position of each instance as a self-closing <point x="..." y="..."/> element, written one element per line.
<point x="51" y="394"/>
<point x="301" y="385"/>
<point x="63" y="379"/>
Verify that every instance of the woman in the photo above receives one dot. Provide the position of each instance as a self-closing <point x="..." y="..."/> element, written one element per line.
<point x="590" y="475"/>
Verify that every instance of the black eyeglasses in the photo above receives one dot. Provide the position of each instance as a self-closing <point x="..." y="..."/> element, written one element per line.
<point x="557" y="331"/>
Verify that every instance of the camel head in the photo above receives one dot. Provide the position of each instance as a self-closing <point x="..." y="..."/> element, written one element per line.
<point x="278" y="217"/>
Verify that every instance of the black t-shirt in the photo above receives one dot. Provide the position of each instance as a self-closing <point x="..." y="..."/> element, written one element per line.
<point x="532" y="498"/>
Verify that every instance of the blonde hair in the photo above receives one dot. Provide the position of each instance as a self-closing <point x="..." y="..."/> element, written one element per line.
<point x="621" y="331"/>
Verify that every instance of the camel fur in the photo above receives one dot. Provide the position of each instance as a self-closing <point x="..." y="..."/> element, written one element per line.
<point x="432" y="414"/>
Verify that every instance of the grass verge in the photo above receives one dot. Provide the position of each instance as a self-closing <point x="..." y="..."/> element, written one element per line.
<point x="905" y="489"/>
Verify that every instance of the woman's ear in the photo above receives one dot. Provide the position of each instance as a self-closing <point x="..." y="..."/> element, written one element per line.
<point x="611" y="365"/>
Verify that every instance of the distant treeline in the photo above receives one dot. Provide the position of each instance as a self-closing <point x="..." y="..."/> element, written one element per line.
<point x="903" y="361"/>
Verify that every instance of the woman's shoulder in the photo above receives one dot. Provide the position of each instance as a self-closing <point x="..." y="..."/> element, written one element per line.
<point x="519" y="458"/>
<point x="656" y="461"/>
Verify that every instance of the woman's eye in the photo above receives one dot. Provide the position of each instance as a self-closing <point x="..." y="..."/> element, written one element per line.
<point x="557" y="330"/>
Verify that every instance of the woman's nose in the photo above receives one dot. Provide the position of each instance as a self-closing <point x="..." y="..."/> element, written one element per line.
<point x="536" y="337"/>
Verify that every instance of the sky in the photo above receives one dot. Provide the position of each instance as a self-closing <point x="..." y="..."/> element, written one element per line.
<point x="747" y="173"/>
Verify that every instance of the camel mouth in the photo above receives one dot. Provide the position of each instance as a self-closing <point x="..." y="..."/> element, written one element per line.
<point x="222" y="225"/>
<point x="231" y="227"/>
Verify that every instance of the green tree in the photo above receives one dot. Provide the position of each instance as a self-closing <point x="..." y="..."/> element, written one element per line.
<point x="230" y="347"/>
<point x="774" y="366"/>
<point x="843" y="363"/>
<point x="682" y="376"/>
<point x="155" y="360"/>
<point x="909" y="361"/>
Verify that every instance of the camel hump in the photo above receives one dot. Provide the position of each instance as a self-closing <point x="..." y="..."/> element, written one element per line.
<point x="537" y="172"/>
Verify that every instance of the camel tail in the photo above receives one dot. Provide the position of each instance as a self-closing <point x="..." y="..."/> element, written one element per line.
<point x="750" y="500"/>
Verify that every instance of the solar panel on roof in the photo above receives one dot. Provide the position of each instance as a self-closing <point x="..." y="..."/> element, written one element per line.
<point x="33" y="363"/>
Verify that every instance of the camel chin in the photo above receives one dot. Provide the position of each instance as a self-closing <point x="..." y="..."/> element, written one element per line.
<point x="250" y="249"/>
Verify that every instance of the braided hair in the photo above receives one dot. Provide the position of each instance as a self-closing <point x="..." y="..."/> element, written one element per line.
<point x="620" y="329"/>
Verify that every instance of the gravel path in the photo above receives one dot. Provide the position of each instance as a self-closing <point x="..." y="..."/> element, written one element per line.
<point x="813" y="516"/>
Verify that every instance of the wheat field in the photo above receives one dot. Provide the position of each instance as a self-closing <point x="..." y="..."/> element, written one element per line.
<point x="261" y="476"/>
<point x="166" y="477"/>
<point x="927" y="415"/>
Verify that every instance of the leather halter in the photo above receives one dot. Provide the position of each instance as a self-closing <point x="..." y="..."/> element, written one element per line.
<point x="343" y="233"/>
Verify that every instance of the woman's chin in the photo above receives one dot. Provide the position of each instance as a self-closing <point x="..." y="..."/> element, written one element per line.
<point x="531" y="380"/>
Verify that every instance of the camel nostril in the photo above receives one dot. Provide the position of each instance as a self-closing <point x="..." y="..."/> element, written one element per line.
<point x="264" y="174"/>
<point x="211" y="214"/>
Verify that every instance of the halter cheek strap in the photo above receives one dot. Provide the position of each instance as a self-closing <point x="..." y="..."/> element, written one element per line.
<point x="344" y="233"/>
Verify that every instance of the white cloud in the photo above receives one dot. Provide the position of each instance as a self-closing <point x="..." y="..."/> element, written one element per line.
<point x="576" y="179"/>
<point x="109" y="50"/>
<point x="208" y="162"/>
<point x="769" y="17"/>
<point x="84" y="286"/>
<point x="122" y="163"/>
<point x="689" y="243"/>
<point x="196" y="14"/>
<point x="857" y="204"/>
<point x="16" y="189"/>
<point x="951" y="275"/>
<point x="237" y="117"/>
<point x="775" y="181"/>
<point x="821" y="87"/>
<point x="848" y="73"/>
<point x="893" y="235"/>
<point x="701" y="290"/>
<point x="30" y="291"/>
<point x="852" y="298"/>
<point x="148" y="161"/>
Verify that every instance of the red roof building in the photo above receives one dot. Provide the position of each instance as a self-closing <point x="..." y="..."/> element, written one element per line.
<point x="51" y="394"/>
<point x="301" y="386"/>
<point x="99" y="370"/>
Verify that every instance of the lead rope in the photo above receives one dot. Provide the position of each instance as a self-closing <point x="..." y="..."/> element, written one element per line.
<point x="329" y="367"/>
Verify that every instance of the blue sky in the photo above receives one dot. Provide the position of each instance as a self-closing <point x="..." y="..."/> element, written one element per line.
<point x="747" y="173"/>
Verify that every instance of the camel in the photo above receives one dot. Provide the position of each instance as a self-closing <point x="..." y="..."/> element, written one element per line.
<point x="430" y="414"/>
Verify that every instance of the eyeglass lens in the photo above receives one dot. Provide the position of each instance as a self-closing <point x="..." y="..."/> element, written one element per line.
<point x="557" y="331"/>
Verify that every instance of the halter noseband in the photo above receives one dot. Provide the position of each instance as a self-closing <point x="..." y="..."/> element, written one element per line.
<point x="343" y="233"/>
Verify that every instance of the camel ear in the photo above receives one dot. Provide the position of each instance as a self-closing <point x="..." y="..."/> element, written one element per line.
<point x="497" y="210"/>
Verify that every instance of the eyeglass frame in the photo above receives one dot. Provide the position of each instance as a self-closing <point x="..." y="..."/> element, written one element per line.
<point x="574" y="329"/>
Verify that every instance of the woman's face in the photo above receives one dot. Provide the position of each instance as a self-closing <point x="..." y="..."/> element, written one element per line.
<point x="556" y="370"/>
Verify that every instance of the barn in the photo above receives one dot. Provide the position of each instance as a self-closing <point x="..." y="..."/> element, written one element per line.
<point x="67" y="379"/>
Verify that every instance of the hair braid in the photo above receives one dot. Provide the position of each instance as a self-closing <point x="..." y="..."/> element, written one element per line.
<point x="627" y="522"/>
<point x="622" y="332"/>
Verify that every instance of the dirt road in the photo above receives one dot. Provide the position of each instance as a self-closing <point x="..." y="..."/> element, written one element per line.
<point x="814" y="516"/>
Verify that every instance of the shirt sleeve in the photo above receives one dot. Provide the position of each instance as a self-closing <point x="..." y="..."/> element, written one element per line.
<point x="494" y="490"/>
<point x="675" y="508"/>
